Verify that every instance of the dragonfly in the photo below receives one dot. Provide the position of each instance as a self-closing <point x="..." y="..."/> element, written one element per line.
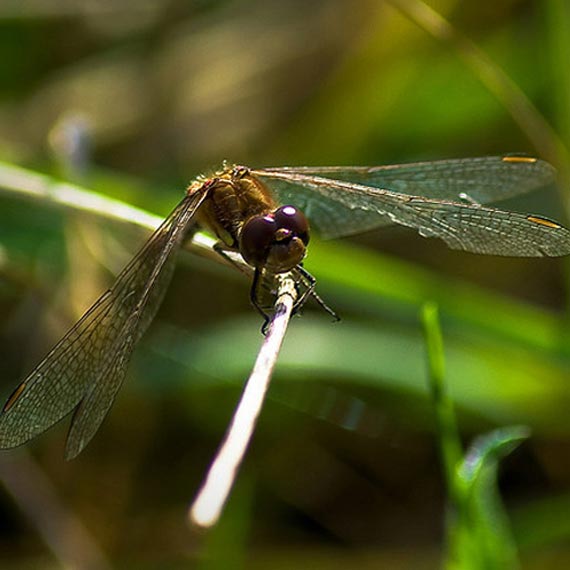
<point x="263" y="214"/>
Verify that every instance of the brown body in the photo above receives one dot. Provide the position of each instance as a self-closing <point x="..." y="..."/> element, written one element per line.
<point x="242" y="212"/>
<point x="234" y="197"/>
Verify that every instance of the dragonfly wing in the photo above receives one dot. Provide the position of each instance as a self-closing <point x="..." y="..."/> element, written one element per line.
<point x="92" y="357"/>
<point x="55" y="387"/>
<point x="481" y="180"/>
<point x="480" y="229"/>
<point x="469" y="227"/>
<point x="153" y="279"/>
<point x="95" y="405"/>
<point x="331" y="213"/>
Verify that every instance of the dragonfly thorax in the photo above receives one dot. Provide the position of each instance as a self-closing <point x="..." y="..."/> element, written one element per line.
<point x="244" y="215"/>
<point x="233" y="197"/>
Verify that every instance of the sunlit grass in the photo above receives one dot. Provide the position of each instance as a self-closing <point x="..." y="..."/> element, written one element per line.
<point x="330" y="90"/>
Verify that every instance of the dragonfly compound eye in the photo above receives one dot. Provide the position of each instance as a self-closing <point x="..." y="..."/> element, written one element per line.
<point x="294" y="220"/>
<point x="256" y="238"/>
<point x="277" y="241"/>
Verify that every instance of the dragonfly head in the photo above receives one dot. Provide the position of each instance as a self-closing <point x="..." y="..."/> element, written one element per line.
<point x="239" y="172"/>
<point x="276" y="241"/>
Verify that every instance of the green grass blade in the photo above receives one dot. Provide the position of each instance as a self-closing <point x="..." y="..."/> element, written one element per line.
<point x="482" y="536"/>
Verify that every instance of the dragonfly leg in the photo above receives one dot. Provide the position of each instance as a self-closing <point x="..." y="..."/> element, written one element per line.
<point x="309" y="281"/>
<point x="305" y="287"/>
<point x="254" y="298"/>
<point x="255" y="293"/>
<point x="224" y="251"/>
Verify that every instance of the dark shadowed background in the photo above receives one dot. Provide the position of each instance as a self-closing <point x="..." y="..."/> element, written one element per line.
<point x="135" y="98"/>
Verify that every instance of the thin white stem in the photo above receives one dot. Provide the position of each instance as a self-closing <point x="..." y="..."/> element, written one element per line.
<point x="29" y="184"/>
<point x="209" y="503"/>
<point x="212" y="497"/>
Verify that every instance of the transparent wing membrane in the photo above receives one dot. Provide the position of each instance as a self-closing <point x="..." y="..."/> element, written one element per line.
<point x="87" y="367"/>
<point x="483" y="179"/>
<point x="339" y="208"/>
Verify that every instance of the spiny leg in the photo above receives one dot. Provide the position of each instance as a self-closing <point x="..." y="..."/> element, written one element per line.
<point x="222" y="250"/>
<point x="310" y="282"/>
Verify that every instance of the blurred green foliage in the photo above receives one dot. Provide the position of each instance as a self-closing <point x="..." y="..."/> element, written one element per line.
<point x="135" y="98"/>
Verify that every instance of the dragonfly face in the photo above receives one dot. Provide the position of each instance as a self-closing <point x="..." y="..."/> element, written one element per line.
<point x="277" y="241"/>
<point x="243" y="213"/>
<point x="244" y="209"/>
